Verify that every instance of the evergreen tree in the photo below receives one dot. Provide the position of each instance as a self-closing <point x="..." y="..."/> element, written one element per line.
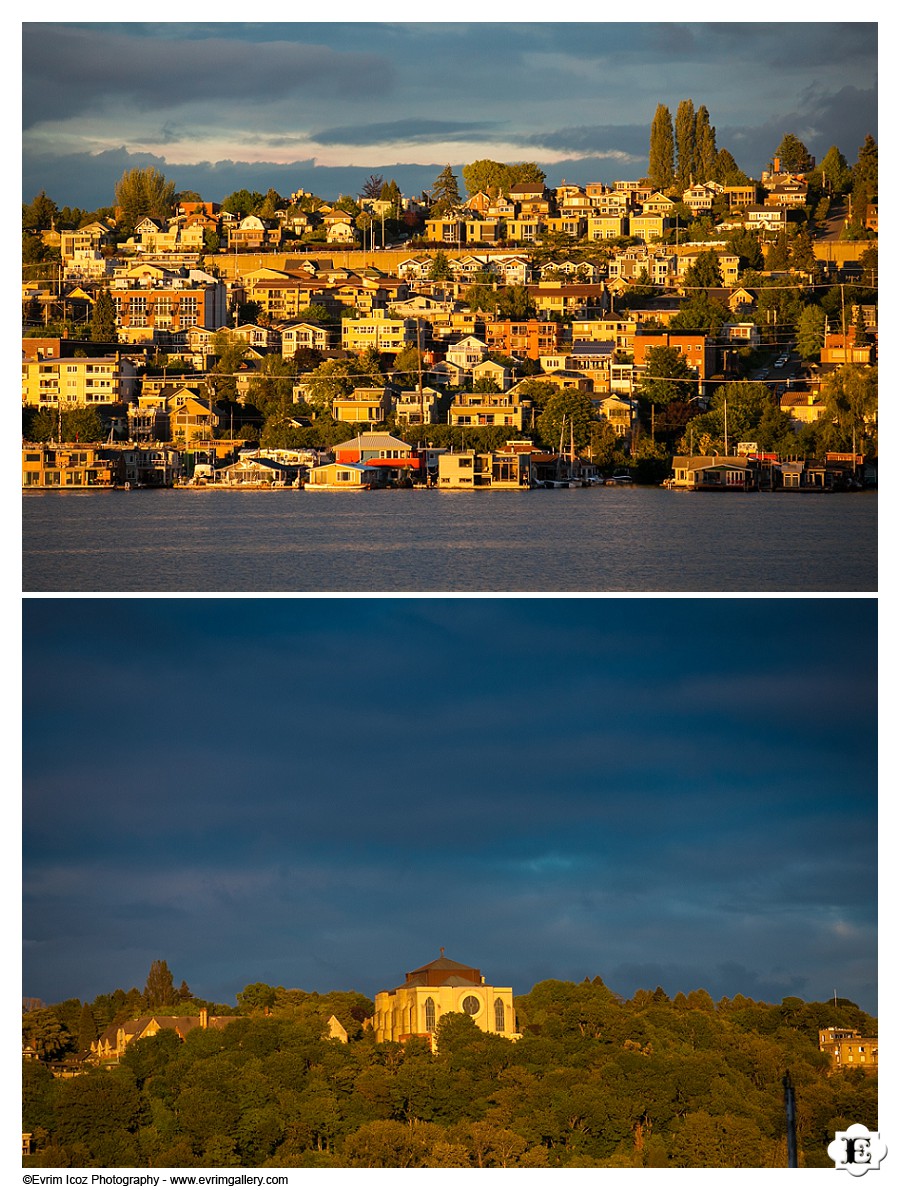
<point x="661" y="164"/>
<point x="685" y="143"/>
<point x="811" y="331"/>
<point x="793" y="155"/>
<point x="727" y="172"/>
<point x="865" y="180"/>
<point x="103" y="319"/>
<point x="445" y="196"/>
<point x="159" y="990"/>
<point x="40" y="214"/>
<point x="705" y="146"/>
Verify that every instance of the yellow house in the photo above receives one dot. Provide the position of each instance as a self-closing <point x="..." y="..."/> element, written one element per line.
<point x="380" y="331"/>
<point x="441" y="986"/>
<point x="77" y="382"/>
<point x="848" y="1050"/>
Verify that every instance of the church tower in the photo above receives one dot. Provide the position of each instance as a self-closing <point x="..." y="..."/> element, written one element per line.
<point x="414" y="1008"/>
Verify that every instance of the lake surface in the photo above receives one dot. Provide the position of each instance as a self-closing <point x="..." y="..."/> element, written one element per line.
<point x="582" y="540"/>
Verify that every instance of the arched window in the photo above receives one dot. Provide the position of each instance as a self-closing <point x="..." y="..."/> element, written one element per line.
<point x="429" y="1015"/>
<point x="499" y="1015"/>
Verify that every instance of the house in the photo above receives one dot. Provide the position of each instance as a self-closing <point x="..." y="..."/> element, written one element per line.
<point x="848" y="1050"/>
<point x="466" y="353"/>
<point x="490" y="409"/>
<point x="379" y="331"/>
<point x="254" y="234"/>
<point x="524" y="337"/>
<point x="712" y="473"/>
<point x="78" y="382"/>
<point x="364" y="406"/>
<point x="414" y="408"/>
<point x="192" y="421"/>
<point x="489" y="369"/>
<point x="415" y="1007"/>
<point x="114" y="1041"/>
<point x="68" y="466"/>
<point x="649" y="226"/>
<point x="334" y="477"/>
<point x="309" y="335"/>
<point x="469" y="469"/>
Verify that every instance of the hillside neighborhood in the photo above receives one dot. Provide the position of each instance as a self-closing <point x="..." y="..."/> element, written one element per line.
<point x="723" y="335"/>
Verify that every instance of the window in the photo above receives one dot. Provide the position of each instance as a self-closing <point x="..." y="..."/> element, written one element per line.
<point x="471" y="1005"/>
<point x="499" y="1015"/>
<point x="429" y="1015"/>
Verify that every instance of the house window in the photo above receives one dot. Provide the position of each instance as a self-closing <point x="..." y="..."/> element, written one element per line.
<point x="499" y="1015"/>
<point x="429" y="1015"/>
<point x="471" y="1005"/>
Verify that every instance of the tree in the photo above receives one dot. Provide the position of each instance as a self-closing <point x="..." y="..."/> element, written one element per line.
<point x="373" y="186"/>
<point x="44" y="1033"/>
<point x="661" y="160"/>
<point x="803" y="256"/>
<point x="835" y="171"/>
<point x="701" y="314"/>
<point x="811" y="332"/>
<point x="685" y="143"/>
<point x="865" y="181"/>
<point x="242" y="202"/>
<point x="103" y="319"/>
<point x="87" y="1029"/>
<point x="793" y="155"/>
<point x="704" y="145"/>
<point x="565" y="413"/>
<point x="851" y="403"/>
<point x="705" y="272"/>
<point x="667" y="377"/>
<point x="159" y="989"/>
<point x="490" y="176"/>
<point x="440" y="268"/>
<point x="445" y="196"/>
<point x="143" y="192"/>
<point x="515" y="301"/>
<point x="727" y="172"/>
<point x="40" y="214"/>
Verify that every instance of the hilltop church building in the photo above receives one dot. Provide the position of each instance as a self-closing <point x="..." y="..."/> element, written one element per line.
<point x="414" y="1008"/>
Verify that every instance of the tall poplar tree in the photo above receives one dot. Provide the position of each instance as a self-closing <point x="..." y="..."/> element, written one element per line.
<point x="685" y="143"/>
<point x="103" y="319"/>
<point x="704" y="146"/>
<point x="661" y="165"/>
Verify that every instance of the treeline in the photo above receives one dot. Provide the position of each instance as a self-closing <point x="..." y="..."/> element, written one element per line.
<point x="594" y="1081"/>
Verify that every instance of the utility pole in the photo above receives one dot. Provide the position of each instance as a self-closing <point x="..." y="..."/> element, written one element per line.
<point x="791" y="1119"/>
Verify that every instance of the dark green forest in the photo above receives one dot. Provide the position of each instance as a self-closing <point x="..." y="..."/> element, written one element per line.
<point x="594" y="1081"/>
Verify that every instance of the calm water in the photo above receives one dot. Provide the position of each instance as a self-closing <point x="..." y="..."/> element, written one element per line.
<point x="599" y="539"/>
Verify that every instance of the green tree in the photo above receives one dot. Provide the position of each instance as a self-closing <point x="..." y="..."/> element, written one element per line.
<point x="159" y="990"/>
<point x="835" y="171"/>
<point x="685" y="143"/>
<point x="851" y="403"/>
<point x="515" y="302"/>
<point x="566" y="412"/>
<point x="727" y="172"/>
<point x="705" y="272"/>
<point x="40" y="214"/>
<point x="87" y="1029"/>
<point x="440" y="268"/>
<point x="667" y="377"/>
<point x="141" y="192"/>
<point x="661" y="163"/>
<point x="704" y="145"/>
<point x="445" y="196"/>
<point x="811" y="331"/>
<point x="490" y="176"/>
<point x="793" y="155"/>
<point x="103" y="319"/>
<point x="43" y="1031"/>
<point x="701" y="314"/>
<point x="865" y="181"/>
<point x="242" y="203"/>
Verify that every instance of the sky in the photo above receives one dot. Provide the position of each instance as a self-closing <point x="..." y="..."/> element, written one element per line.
<point x="321" y="793"/>
<point x="322" y="106"/>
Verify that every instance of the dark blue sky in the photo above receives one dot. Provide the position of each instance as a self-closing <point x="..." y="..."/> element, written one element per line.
<point x="320" y="793"/>
<point x="322" y="105"/>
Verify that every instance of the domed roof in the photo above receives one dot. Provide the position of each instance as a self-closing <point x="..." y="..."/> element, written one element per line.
<point x="443" y="971"/>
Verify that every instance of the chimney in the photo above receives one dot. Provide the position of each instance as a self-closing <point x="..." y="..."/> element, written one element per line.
<point x="204" y="1018"/>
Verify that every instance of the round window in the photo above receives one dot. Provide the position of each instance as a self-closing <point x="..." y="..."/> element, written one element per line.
<point x="471" y="1005"/>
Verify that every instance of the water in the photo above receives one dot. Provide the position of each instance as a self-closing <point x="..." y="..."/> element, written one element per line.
<point x="596" y="539"/>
